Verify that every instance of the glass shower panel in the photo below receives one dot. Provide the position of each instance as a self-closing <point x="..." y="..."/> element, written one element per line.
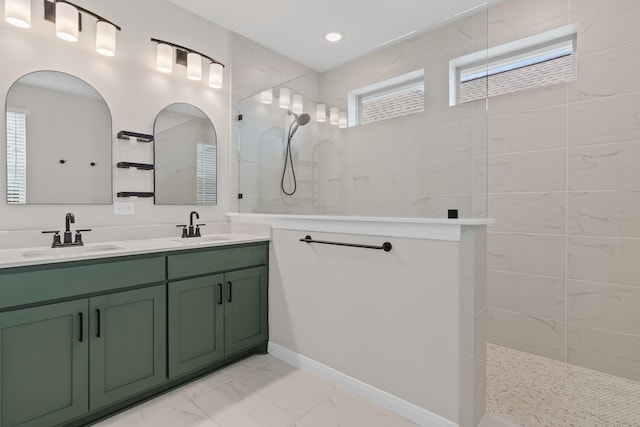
<point x="416" y="165"/>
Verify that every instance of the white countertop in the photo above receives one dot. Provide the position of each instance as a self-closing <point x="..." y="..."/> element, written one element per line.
<point x="47" y="255"/>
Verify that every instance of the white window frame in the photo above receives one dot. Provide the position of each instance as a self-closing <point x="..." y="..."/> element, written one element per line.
<point x="354" y="97"/>
<point x="519" y="53"/>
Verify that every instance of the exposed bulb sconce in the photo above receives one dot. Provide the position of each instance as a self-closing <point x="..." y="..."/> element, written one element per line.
<point x="285" y="98"/>
<point x="321" y="113"/>
<point x="68" y="19"/>
<point x="18" y="13"/>
<point x="334" y="115"/>
<point x="297" y="105"/>
<point x="342" y="120"/>
<point x="266" y="96"/>
<point x="189" y="58"/>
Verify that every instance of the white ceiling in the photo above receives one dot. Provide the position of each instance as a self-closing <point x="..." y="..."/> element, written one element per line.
<point x="296" y="28"/>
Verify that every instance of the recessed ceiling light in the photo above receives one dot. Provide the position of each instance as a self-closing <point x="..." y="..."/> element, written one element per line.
<point x="333" y="37"/>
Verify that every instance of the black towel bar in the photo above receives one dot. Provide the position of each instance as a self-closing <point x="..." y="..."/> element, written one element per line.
<point x="386" y="246"/>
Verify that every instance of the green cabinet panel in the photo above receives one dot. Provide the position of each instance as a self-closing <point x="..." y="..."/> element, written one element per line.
<point x="246" y="317"/>
<point x="128" y="344"/>
<point x="216" y="260"/>
<point x="29" y="285"/>
<point x="196" y="332"/>
<point x="44" y="364"/>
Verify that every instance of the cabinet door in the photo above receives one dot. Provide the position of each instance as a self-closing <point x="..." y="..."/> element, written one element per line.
<point x="195" y="323"/>
<point x="246" y="321"/>
<point x="128" y="344"/>
<point x="43" y="364"/>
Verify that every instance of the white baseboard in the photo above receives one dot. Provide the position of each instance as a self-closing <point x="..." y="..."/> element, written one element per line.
<point x="393" y="403"/>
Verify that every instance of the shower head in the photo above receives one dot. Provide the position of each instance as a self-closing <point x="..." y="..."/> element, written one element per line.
<point x="299" y="120"/>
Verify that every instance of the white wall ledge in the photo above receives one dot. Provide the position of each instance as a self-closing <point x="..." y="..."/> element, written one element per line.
<point x="415" y="228"/>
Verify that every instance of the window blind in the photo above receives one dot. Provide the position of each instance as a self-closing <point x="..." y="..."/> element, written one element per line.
<point x="206" y="172"/>
<point x="16" y="158"/>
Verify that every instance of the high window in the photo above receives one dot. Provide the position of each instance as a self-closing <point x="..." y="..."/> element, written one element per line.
<point x="541" y="60"/>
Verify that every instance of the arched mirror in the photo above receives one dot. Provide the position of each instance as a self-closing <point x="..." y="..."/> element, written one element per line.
<point x="185" y="148"/>
<point x="58" y="141"/>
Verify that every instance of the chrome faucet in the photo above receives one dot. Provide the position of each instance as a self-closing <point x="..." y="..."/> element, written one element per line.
<point x="191" y="231"/>
<point x="69" y="219"/>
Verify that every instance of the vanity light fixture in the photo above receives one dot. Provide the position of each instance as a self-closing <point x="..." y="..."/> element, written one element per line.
<point x="18" y="13"/>
<point x="68" y="19"/>
<point x="215" y="75"/>
<point x="194" y="66"/>
<point x="297" y="106"/>
<point x="67" y="22"/>
<point x="266" y="96"/>
<point x="342" y="120"/>
<point x="189" y="58"/>
<point x="164" y="57"/>
<point x="321" y="113"/>
<point x="334" y="115"/>
<point x="285" y="98"/>
<point x="105" y="38"/>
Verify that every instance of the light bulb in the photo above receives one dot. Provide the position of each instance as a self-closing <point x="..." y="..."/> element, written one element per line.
<point x="164" y="58"/>
<point x="105" y="38"/>
<point x="67" y="22"/>
<point x="18" y="13"/>
<point x="266" y="96"/>
<point x="194" y="66"/>
<point x="342" y="120"/>
<point x="215" y="75"/>
<point x="333" y="115"/>
<point x="285" y="98"/>
<point x="298" y="104"/>
<point x="321" y="113"/>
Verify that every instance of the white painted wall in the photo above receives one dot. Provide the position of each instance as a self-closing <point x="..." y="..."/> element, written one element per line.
<point x="135" y="93"/>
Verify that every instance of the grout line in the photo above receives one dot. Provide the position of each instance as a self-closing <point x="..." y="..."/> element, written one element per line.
<point x="566" y="221"/>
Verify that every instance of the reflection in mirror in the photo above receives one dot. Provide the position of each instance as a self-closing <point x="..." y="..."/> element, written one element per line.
<point x="58" y="141"/>
<point x="185" y="157"/>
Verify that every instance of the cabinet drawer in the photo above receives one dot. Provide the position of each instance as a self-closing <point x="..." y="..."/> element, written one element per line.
<point x="216" y="260"/>
<point x="51" y="282"/>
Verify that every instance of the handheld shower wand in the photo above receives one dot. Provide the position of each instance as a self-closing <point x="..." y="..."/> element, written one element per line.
<point x="298" y="120"/>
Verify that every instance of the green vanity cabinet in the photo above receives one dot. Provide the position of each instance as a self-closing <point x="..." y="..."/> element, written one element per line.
<point x="245" y="314"/>
<point x="196" y="323"/>
<point x="127" y="344"/>
<point x="220" y="313"/>
<point x="80" y="340"/>
<point x="44" y="364"/>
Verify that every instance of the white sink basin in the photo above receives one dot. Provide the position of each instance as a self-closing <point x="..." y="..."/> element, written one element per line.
<point x="203" y="239"/>
<point x="66" y="251"/>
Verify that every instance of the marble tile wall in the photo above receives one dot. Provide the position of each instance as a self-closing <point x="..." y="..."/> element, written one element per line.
<point x="564" y="186"/>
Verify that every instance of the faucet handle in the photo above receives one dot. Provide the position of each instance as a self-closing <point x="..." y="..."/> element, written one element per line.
<point x="184" y="229"/>
<point x="56" y="237"/>
<point x="198" y="229"/>
<point x="78" y="238"/>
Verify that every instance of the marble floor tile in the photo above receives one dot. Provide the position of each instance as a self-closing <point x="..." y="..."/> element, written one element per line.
<point x="259" y="391"/>
<point x="345" y="409"/>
